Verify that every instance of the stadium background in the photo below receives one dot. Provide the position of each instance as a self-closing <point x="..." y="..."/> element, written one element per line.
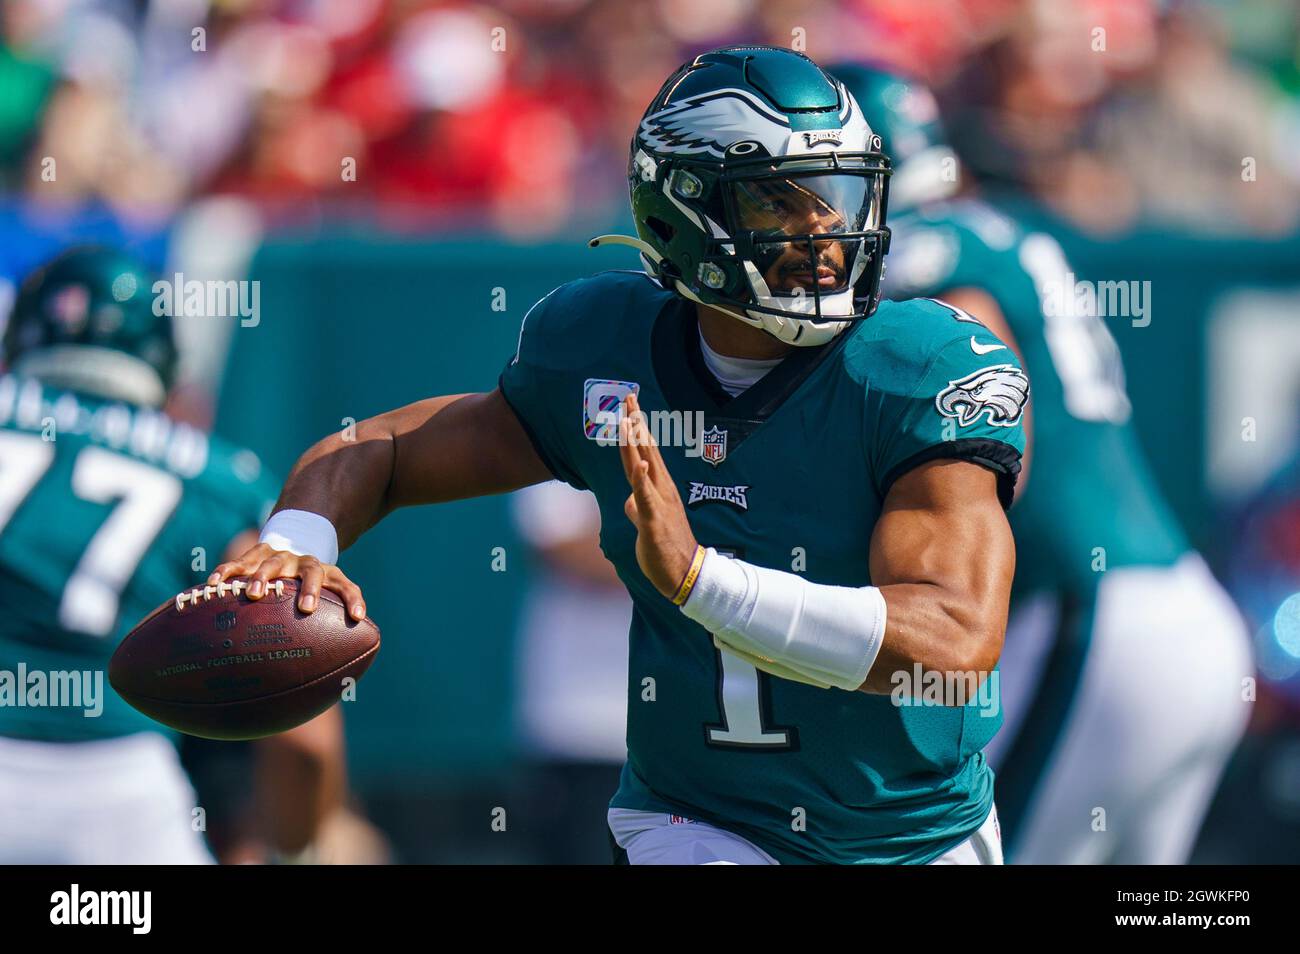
<point x="490" y="141"/>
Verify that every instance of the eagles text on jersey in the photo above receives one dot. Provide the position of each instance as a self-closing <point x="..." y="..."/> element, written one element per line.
<point x="803" y="462"/>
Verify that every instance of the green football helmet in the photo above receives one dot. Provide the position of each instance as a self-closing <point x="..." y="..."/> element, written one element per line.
<point x="86" y="321"/>
<point x="758" y="188"/>
<point x="906" y="116"/>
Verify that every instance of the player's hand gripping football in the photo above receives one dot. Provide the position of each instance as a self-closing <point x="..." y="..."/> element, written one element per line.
<point x="261" y="564"/>
<point x="665" y="544"/>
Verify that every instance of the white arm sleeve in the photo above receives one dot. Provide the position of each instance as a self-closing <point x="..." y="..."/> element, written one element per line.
<point x="303" y="533"/>
<point x="827" y="635"/>
<point x="771" y="666"/>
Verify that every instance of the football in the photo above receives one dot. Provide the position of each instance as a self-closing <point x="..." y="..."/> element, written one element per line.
<point x="215" y="664"/>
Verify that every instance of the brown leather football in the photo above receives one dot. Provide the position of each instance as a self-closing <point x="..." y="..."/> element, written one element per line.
<point x="213" y="663"/>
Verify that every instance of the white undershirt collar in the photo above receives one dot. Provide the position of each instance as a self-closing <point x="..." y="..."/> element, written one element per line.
<point x="735" y="374"/>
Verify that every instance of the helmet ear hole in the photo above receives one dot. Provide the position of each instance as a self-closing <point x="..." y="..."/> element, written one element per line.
<point x="661" y="228"/>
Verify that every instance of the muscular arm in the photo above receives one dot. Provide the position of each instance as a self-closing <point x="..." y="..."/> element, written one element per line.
<point x="943" y="557"/>
<point x="941" y="560"/>
<point x="443" y="448"/>
<point x="439" y="449"/>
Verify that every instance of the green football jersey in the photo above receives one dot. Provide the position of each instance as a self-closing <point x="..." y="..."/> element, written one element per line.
<point x="106" y="511"/>
<point x="1091" y="502"/>
<point x="790" y="474"/>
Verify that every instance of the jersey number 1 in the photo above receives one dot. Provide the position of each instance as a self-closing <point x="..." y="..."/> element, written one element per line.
<point x="742" y="695"/>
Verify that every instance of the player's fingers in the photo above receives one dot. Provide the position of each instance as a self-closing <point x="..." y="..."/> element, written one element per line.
<point x="240" y="566"/>
<point x="637" y="424"/>
<point x="312" y="575"/>
<point x="640" y="460"/>
<point x="648" y="499"/>
<point x="351" y="593"/>
<point x="225" y="571"/>
<point x="646" y="447"/>
<point x="629" y="508"/>
<point x="627" y="453"/>
<point x="273" y="567"/>
<point x="632" y="446"/>
<point x="658" y="469"/>
<point x="642" y="442"/>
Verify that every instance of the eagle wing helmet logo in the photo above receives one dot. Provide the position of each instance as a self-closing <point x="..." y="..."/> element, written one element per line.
<point x="1000" y="392"/>
<point x="709" y="123"/>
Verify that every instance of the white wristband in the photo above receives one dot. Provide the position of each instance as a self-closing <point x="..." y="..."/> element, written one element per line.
<point x="826" y="634"/>
<point x="303" y="533"/>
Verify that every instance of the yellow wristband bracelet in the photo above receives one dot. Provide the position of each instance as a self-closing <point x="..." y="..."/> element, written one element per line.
<point x="688" y="581"/>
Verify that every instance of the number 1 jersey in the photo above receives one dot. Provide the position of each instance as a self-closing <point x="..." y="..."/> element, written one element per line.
<point x="790" y="474"/>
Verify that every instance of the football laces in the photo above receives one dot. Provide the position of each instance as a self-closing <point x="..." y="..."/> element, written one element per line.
<point x="220" y="590"/>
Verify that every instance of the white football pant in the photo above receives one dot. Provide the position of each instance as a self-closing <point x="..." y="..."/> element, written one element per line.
<point x="1158" y="707"/>
<point x="653" y="838"/>
<point x="115" y="801"/>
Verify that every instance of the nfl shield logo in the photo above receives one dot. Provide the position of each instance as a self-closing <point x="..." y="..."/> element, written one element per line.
<point x="714" y="445"/>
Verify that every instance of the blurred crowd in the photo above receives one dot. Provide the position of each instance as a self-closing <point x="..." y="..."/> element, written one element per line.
<point x="516" y="117"/>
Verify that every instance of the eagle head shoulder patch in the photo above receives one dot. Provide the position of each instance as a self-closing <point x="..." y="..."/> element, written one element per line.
<point x="998" y="393"/>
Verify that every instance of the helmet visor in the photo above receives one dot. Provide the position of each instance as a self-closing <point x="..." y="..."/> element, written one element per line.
<point x="807" y="229"/>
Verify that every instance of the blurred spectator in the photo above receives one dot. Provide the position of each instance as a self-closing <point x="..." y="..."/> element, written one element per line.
<point x="517" y="116"/>
<point x="1116" y="115"/>
<point x="572" y="675"/>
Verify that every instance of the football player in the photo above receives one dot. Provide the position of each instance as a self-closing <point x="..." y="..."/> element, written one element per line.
<point x="820" y="571"/>
<point x="107" y="508"/>
<point x="1124" y="664"/>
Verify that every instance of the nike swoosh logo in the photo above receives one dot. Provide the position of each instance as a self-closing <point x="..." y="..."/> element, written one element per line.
<point x="984" y="349"/>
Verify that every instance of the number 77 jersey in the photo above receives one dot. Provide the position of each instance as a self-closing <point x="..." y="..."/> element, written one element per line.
<point x="106" y="510"/>
<point x="790" y="474"/>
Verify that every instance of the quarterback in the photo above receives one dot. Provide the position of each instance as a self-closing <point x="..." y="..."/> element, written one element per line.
<point x="846" y="523"/>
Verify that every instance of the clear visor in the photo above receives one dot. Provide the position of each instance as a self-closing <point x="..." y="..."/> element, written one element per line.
<point x="794" y="221"/>
<point x="807" y="204"/>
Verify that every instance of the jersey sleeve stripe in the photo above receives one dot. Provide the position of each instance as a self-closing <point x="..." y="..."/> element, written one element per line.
<point x="1001" y="458"/>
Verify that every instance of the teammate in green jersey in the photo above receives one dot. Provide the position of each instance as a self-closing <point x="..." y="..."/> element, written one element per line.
<point x="1122" y="673"/>
<point x="803" y="494"/>
<point x="108" y="507"/>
